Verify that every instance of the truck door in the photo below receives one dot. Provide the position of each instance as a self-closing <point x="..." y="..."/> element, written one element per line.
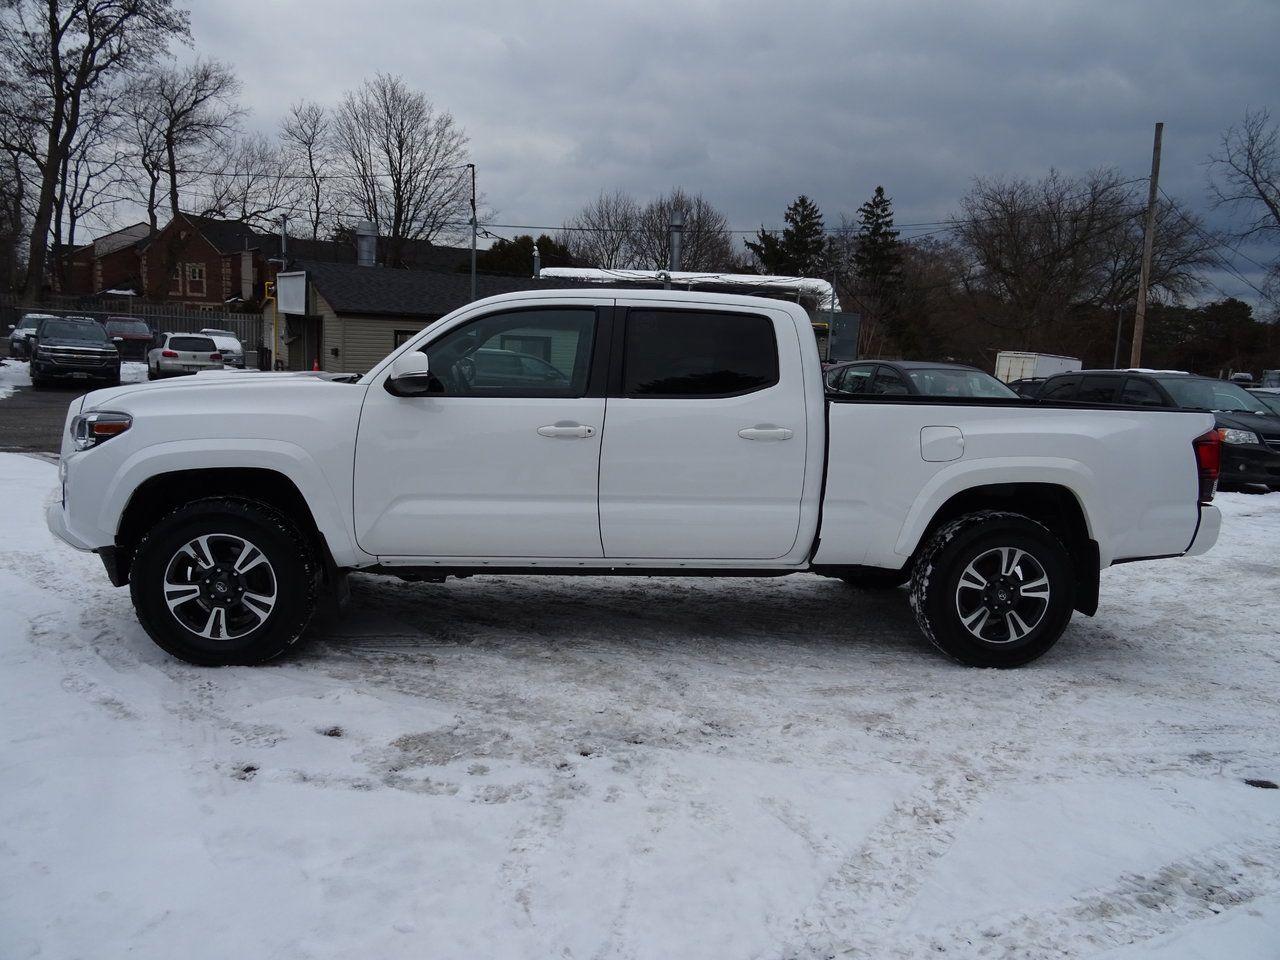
<point x="501" y="458"/>
<point x="705" y="445"/>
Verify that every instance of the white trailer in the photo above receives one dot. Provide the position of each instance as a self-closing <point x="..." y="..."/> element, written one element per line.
<point x="1018" y="365"/>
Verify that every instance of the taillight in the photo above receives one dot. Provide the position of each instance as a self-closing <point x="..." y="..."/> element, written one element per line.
<point x="168" y="353"/>
<point x="215" y="356"/>
<point x="1208" y="448"/>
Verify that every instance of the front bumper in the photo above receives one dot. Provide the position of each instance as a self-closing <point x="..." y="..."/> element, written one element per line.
<point x="74" y="371"/>
<point x="55" y="517"/>
<point x="1249" y="463"/>
<point x="1207" y="531"/>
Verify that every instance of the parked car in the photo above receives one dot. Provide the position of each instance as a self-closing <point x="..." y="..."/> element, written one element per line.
<point x="1270" y="378"/>
<point x="229" y="346"/>
<point x="132" y="337"/>
<point x="1242" y="378"/>
<point x="20" y="331"/>
<point x="178" y="354"/>
<point x="231" y="505"/>
<point x="72" y="348"/>
<point x="1270" y="397"/>
<point x="915" y="378"/>
<point x="1250" y="430"/>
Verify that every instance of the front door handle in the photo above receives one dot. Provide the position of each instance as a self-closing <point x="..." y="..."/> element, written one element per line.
<point x="567" y="430"/>
<point x="765" y="431"/>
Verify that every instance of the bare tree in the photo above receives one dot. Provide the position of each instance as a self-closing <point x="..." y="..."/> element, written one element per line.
<point x="57" y="54"/>
<point x="402" y="162"/>
<point x="602" y="233"/>
<point x="1040" y="247"/>
<point x="707" y="244"/>
<point x="252" y="183"/>
<point x="1183" y="250"/>
<point x="198" y="115"/>
<point x="1244" y="175"/>
<point x="89" y="176"/>
<point x="308" y="145"/>
<point x="12" y="219"/>
<point x="142" y="148"/>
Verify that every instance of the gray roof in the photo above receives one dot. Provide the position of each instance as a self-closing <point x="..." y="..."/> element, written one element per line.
<point x="383" y="291"/>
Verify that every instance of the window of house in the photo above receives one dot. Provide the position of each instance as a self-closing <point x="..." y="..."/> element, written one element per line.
<point x="473" y="361"/>
<point x="401" y="337"/>
<point x="686" y="353"/>
<point x="175" y="281"/>
<point x="195" y="279"/>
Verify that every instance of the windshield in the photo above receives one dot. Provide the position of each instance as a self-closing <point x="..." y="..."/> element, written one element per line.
<point x="70" y="330"/>
<point x="948" y="382"/>
<point x="128" y="326"/>
<point x="1194" y="393"/>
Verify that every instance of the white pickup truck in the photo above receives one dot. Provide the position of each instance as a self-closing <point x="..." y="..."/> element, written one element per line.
<point x="597" y="432"/>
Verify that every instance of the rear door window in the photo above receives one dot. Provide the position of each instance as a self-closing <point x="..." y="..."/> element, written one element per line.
<point x="691" y="353"/>
<point x="889" y="383"/>
<point x="1064" y="389"/>
<point x="1141" y="392"/>
<point x="1098" y="389"/>
<point x="854" y="380"/>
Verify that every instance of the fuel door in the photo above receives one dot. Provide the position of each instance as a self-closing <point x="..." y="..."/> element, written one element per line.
<point x="940" y="444"/>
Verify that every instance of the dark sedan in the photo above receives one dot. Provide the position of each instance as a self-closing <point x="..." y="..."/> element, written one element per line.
<point x="915" y="378"/>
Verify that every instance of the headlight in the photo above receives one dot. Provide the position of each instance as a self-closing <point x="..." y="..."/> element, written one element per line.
<point x="1237" y="436"/>
<point x="90" y="429"/>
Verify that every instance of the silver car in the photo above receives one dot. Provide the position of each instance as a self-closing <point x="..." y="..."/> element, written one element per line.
<point x="18" y="333"/>
<point x="181" y="353"/>
<point x="229" y="346"/>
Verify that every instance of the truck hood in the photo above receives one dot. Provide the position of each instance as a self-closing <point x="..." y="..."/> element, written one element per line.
<point x="1270" y="426"/>
<point x="211" y="381"/>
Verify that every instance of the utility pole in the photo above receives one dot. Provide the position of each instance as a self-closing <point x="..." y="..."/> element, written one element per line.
<point x="474" y="226"/>
<point x="1148" y="238"/>
<point x="275" y="301"/>
<point x="677" y="239"/>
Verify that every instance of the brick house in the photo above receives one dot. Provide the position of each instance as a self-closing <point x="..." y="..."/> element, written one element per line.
<point x="107" y="263"/>
<point x="204" y="263"/>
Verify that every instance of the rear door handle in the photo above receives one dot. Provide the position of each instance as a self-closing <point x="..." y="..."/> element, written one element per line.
<point x="765" y="431"/>
<point x="567" y="430"/>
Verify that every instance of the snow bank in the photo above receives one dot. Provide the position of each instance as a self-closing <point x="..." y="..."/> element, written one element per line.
<point x="17" y="373"/>
<point x="507" y="767"/>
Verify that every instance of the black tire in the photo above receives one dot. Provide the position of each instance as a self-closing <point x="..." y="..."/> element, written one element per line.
<point x="232" y="637"/>
<point x="38" y="383"/>
<point x="942" y="604"/>
<point x="873" y="579"/>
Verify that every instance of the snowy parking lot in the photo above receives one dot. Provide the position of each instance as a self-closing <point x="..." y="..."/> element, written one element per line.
<point x="578" y="768"/>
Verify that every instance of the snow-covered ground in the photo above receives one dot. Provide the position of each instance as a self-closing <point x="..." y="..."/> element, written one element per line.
<point x="17" y="373"/>
<point x="579" y="768"/>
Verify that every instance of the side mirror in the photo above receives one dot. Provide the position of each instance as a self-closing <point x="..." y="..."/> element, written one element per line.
<point x="117" y="339"/>
<point x="410" y="375"/>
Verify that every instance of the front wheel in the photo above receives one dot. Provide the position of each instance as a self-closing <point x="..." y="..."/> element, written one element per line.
<point x="993" y="589"/>
<point x="224" y="581"/>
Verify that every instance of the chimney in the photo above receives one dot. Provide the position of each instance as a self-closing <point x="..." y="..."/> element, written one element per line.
<point x="537" y="262"/>
<point x="366" y="243"/>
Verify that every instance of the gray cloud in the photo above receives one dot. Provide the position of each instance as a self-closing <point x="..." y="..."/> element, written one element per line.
<point x="752" y="102"/>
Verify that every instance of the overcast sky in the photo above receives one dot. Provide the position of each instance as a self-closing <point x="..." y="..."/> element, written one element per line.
<point x="752" y="103"/>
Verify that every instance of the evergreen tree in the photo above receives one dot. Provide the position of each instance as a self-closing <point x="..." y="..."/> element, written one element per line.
<point x="877" y="255"/>
<point x="800" y="250"/>
<point x="877" y="267"/>
<point x="515" y="256"/>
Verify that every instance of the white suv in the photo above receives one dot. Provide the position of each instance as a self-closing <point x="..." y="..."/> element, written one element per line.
<point x="182" y="353"/>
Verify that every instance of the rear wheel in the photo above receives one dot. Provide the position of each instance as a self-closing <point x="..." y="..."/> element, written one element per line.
<point x="224" y="581"/>
<point x="993" y="589"/>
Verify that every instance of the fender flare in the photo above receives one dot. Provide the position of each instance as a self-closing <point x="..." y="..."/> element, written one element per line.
<point x="288" y="459"/>
<point x="1072" y="475"/>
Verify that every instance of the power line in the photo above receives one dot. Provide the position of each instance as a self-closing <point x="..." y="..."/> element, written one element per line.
<point x="1229" y="267"/>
